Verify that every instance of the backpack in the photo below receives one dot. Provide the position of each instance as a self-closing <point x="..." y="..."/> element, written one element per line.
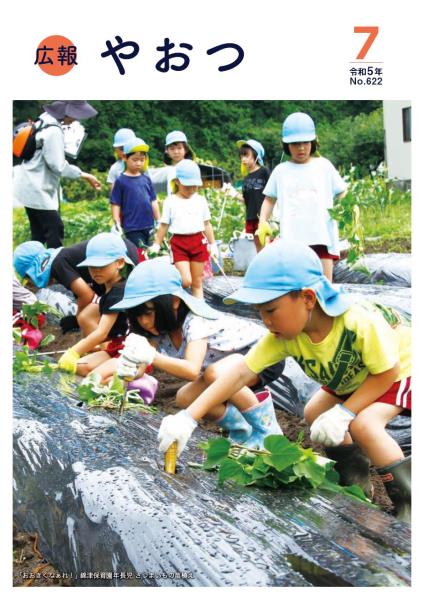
<point x="24" y="143"/>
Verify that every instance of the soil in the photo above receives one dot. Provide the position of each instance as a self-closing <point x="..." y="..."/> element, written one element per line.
<point x="29" y="566"/>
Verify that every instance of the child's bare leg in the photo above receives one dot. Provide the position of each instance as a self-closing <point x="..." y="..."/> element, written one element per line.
<point x="88" y="319"/>
<point x="327" y="267"/>
<point x="184" y="268"/>
<point x="320" y="402"/>
<point x="87" y="363"/>
<point x="196" y="269"/>
<point x="368" y="431"/>
<point x="243" y="399"/>
<point x="106" y="369"/>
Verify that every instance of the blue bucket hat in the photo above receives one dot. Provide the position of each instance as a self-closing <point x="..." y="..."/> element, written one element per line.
<point x="298" y="127"/>
<point x="283" y="267"/>
<point x="122" y="137"/>
<point x="256" y="146"/>
<point x="157" y="277"/>
<point x="135" y="144"/>
<point x="103" y="249"/>
<point x="175" y="136"/>
<point x="188" y="172"/>
<point x="35" y="261"/>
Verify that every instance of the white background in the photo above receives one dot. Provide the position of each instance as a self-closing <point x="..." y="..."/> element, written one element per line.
<point x="293" y="50"/>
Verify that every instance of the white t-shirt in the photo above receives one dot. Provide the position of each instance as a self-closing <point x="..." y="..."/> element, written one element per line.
<point x="115" y="171"/>
<point x="304" y="192"/>
<point x="225" y="335"/>
<point x="161" y="178"/>
<point x="185" y="215"/>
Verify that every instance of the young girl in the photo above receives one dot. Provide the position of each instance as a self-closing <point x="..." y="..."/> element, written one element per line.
<point x="359" y="352"/>
<point x="187" y="336"/>
<point x="63" y="265"/>
<point x="255" y="176"/>
<point x="106" y="258"/>
<point x="176" y="149"/>
<point x="304" y="188"/>
<point x="186" y="215"/>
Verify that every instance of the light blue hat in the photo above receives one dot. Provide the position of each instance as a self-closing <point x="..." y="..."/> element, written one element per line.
<point x="256" y="146"/>
<point x="283" y="267"/>
<point x="157" y="277"/>
<point x="35" y="261"/>
<point x="175" y="136"/>
<point x="135" y="144"/>
<point x="103" y="249"/>
<point x="298" y="127"/>
<point x="122" y="136"/>
<point x="188" y="172"/>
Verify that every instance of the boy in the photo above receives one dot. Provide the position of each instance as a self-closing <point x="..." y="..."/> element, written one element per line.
<point x="61" y="265"/>
<point x="134" y="204"/>
<point x="358" y="351"/>
<point x="255" y="178"/>
<point x="121" y="137"/>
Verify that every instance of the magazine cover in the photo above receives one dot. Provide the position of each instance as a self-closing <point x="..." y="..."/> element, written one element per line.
<point x="207" y="243"/>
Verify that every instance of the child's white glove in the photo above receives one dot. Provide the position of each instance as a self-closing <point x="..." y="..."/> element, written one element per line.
<point x="330" y="428"/>
<point x="176" y="428"/>
<point x="116" y="228"/>
<point x="154" y="249"/>
<point x="230" y="190"/>
<point x="136" y="351"/>
<point x="213" y="250"/>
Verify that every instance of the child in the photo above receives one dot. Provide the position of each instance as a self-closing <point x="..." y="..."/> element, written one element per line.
<point x="43" y="265"/>
<point x="358" y="352"/>
<point x="176" y="149"/>
<point x="106" y="257"/>
<point x="121" y="137"/>
<point x="255" y="178"/>
<point x="188" y="335"/>
<point x="186" y="215"/>
<point x="304" y="188"/>
<point x="133" y="199"/>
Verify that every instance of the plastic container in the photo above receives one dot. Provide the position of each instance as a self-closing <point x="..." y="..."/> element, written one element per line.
<point x="243" y="250"/>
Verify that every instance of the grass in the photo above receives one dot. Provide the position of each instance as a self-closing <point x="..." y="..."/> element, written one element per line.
<point x="387" y="229"/>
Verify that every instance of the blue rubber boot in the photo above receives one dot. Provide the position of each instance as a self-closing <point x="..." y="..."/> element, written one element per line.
<point x="234" y="422"/>
<point x="263" y="421"/>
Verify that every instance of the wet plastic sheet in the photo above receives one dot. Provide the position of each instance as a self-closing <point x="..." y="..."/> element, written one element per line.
<point x="217" y="288"/>
<point x="391" y="269"/>
<point x="93" y="487"/>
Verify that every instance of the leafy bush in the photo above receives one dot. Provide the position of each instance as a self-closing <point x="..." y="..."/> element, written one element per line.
<point x="367" y="208"/>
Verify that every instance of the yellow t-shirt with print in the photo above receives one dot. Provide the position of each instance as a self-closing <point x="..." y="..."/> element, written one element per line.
<point x="366" y="339"/>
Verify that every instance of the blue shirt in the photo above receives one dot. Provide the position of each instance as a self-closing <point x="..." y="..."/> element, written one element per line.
<point x="135" y="196"/>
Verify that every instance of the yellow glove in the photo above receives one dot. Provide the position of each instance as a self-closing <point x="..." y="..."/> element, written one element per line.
<point x="68" y="361"/>
<point x="264" y="230"/>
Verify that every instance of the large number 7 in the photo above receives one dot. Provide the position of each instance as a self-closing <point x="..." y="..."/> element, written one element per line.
<point x="373" y="32"/>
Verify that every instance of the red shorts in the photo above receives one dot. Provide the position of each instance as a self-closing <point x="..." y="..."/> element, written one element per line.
<point x="323" y="252"/>
<point x="398" y="395"/>
<point x="192" y="247"/>
<point x="251" y="225"/>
